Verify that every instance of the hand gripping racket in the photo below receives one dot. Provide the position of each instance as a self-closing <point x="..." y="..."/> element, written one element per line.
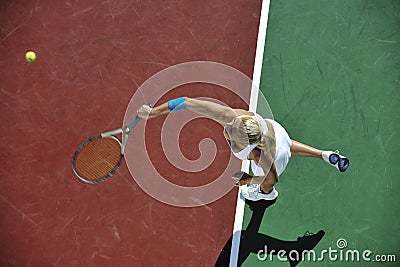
<point x="99" y="157"/>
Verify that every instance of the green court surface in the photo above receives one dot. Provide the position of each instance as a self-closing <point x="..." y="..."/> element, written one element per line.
<point x="331" y="74"/>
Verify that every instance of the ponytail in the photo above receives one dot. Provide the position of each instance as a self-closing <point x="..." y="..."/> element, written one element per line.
<point x="267" y="141"/>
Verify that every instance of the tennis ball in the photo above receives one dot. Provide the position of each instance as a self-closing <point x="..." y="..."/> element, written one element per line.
<point x="30" y="56"/>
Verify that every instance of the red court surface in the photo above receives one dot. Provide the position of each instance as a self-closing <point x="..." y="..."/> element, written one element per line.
<point x="91" y="57"/>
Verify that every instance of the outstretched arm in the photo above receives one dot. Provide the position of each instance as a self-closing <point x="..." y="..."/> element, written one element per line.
<point x="217" y="112"/>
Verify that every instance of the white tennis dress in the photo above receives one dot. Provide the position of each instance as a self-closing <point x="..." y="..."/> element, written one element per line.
<point x="281" y="159"/>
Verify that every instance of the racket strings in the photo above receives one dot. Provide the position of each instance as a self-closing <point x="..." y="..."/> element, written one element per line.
<point x="98" y="159"/>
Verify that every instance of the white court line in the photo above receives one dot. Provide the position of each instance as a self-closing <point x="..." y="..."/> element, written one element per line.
<point x="262" y="31"/>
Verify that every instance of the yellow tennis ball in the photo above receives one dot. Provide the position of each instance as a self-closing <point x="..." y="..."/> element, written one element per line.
<point x="30" y="56"/>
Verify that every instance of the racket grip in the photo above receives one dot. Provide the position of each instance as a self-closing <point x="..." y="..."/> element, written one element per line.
<point x="129" y="127"/>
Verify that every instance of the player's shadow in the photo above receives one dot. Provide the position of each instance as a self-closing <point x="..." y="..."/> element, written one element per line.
<point x="251" y="241"/>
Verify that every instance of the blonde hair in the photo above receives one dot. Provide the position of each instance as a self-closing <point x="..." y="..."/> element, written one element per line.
<point x="252" y="133"/>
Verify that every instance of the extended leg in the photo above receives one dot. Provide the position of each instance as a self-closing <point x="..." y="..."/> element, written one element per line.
<point x="301" y="150"/>
<point x="333" y="158"/>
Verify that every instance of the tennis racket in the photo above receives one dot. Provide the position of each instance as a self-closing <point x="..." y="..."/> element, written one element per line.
<point x="100" y="156"/>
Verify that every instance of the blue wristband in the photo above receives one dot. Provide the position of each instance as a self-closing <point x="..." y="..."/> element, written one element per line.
<point x="177" y="104"/>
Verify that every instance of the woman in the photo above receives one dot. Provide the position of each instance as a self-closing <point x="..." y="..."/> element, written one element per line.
<point x="262" y="141"/>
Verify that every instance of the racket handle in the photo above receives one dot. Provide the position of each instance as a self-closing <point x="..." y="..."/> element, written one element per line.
<point x="129" y="127"/>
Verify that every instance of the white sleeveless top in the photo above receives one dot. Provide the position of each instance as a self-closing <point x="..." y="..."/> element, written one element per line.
<point x="282" y="154"/>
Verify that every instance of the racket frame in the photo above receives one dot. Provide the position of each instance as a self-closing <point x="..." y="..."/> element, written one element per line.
<point x="111" y="134"/>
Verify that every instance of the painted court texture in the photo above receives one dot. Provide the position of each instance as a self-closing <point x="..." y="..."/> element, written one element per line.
<point x="330" y="73"/>
<point x="331" y="76"/>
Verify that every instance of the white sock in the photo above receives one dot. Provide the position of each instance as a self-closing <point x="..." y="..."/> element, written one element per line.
<point x="325" y="155"/>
